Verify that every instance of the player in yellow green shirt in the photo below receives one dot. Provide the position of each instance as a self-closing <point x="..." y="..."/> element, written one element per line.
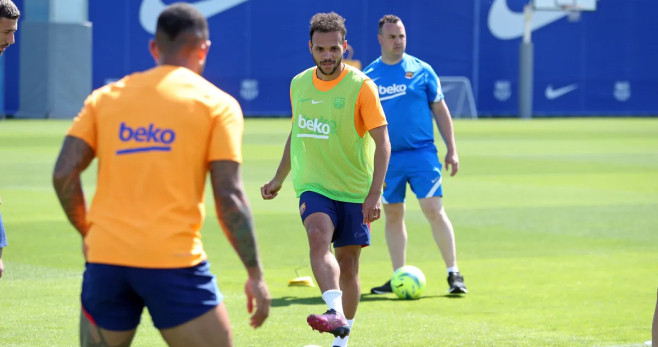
<point x="338" y="151"/>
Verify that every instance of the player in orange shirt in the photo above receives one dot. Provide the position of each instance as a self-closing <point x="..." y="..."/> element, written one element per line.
<point x="156" y="135"/>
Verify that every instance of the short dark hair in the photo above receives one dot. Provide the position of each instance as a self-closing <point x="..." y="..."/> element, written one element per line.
<point x="9" y="10"/>
<point x="389" y="18"/>
<point x="328" y="23"/>
<point x="178" y="24"/>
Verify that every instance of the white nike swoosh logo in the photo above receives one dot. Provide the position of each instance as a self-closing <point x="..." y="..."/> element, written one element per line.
<point x="151" y="9"/>
<point x="437" y="177"/>
<point x="392" y="96"/>
<point x="556" y="93"/>
<point x="376" y="78"/>
<point x="506" y="24"/>
<point x="316" y="102"/>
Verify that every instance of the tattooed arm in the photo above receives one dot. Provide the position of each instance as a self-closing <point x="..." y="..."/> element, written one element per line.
<point x="75" y="157"/>
<point x="235" y="218"/>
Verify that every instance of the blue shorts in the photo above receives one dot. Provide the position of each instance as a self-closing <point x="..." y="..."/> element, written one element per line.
<point x="113" y="296"/>
<point x="347" y="218"/>
<point x="421" y="168"/>
<point x="3" y="237"/>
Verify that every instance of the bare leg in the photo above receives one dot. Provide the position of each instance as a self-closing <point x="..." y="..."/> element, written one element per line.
<point x="91" y="335"/>
<point x="212" y="328"/>
<point x="396" y="234"/>
<point x="2" y="267"/>
<point x="348" y="260"/>
<point x="442" y="230"/>
<point x="654" y="327"/>
<point x="320" y="229"/>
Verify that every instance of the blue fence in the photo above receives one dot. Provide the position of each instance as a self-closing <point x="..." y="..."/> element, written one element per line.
<point x="605" y="64"/>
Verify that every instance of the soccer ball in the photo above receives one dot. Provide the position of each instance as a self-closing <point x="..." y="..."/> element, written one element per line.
<point x="408" y="282"/>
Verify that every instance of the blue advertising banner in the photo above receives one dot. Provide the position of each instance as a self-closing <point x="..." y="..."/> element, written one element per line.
<point x="603" y="64"/>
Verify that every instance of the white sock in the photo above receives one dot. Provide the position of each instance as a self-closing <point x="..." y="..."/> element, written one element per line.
<point x="338" y="342"/>
<point x="334" y="299"/>
<point x="453" y="269"/>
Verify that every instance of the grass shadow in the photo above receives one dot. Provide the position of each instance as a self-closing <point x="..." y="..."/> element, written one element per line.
<point x="379" y="297"/>
<point x="292" y="300"/>
<point x="316" y="300"/>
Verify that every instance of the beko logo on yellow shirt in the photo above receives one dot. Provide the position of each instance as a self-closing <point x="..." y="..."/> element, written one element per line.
<point x="159" y="139"/>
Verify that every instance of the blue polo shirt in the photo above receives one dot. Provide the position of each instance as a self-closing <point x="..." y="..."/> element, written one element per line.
<point x="406" y="91"/>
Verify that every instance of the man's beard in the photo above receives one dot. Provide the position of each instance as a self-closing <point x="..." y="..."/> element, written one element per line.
<point x="338" y="63"/>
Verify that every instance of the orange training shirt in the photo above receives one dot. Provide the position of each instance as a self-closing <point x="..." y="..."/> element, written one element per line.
<point x="154" y="134"/>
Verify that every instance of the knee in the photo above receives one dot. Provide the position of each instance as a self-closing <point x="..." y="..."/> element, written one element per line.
<point x="394" y="218"/>
<point x="317" y="240"/>
<point x="436" y="213"/>
<point x="349" y="267"/>
<point x="394" y="215"/>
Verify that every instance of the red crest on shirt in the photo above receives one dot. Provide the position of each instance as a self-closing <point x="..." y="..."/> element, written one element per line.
<point x="409" y="74"/>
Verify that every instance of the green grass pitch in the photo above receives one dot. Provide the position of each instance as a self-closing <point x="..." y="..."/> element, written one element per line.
<point x="556" y="223"/>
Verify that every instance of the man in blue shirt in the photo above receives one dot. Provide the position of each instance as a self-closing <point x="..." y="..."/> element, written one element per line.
<point x="410" y="93"/>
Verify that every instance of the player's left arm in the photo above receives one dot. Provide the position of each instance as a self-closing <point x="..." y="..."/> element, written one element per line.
<point x="372" y="204"/>
<point x="235" y="217"/>
<point x="232" y="206"/>
<point x="373" y="120"/>
<point x="233" y="211"/>
<point x="74" y="157"/>
<point x="444" y="123"/>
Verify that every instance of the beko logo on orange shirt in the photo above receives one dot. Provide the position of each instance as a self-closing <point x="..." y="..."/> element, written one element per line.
<point x="157" y="139"/>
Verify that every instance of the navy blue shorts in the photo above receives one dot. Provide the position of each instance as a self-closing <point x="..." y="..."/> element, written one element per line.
<point x="347" y="218"/>
<point x="113" y="297"/>
<point x="420" y="168"/>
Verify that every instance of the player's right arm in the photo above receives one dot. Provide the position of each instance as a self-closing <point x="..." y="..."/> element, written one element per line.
<point x="271" y="189"/>
<point x="370" y="117"/>
<point x="74" y="157"/>
<point x="235" y="217"/>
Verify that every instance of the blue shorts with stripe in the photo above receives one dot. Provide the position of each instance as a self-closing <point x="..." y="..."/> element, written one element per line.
<point x="420" y="168"/>
<point x="113" y="297"/>
<point x="347" y="218"/>
<point x="3" y="237"/>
